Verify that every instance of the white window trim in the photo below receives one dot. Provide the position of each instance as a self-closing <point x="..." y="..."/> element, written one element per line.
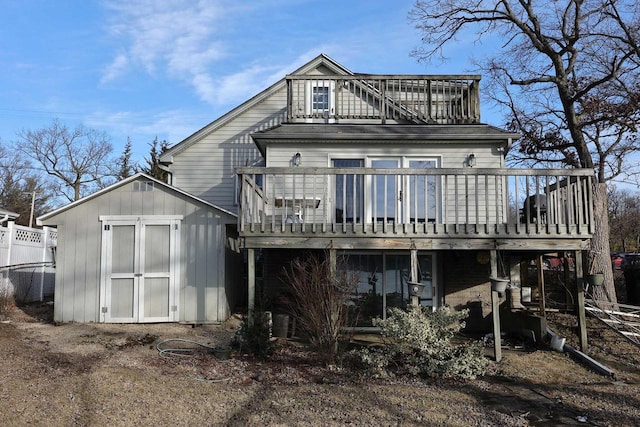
<point x="331" y="84"/>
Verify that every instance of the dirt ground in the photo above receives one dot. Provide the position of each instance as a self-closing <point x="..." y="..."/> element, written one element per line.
<point x="98" y="375"/>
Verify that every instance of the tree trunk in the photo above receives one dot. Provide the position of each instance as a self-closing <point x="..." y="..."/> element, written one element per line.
<point x="600" y="257"/>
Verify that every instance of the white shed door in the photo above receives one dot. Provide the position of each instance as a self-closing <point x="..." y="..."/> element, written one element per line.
<point x="139" y="268"/>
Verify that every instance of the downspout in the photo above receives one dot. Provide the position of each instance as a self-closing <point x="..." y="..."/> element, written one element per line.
<point x="558" y="344"/>
<point x="164" y="166"/>
<point x="168" y="171"/>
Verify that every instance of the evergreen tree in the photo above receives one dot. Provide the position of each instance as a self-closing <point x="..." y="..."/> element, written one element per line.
<point x="125" y="168"/>
<point x="152" y="163"/>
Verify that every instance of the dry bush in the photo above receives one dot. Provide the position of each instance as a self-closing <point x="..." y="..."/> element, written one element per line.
<point x="319" y="301"/>
<point x="7" y="301"/>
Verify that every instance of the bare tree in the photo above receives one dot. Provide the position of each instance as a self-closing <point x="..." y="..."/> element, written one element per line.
<point x="77" y="159"/>
<point x="567" y="74"/>
<point x="21" y="189"/>
<point x="624" y="218"/>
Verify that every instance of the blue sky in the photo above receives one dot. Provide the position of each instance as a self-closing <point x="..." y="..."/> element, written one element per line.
<point x="166" y="68"/>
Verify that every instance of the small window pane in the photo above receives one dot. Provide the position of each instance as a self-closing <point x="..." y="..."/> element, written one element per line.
<point x="320" y="98"/>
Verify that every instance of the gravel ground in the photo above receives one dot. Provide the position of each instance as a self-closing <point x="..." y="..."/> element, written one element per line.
<point x="98" y="375"/>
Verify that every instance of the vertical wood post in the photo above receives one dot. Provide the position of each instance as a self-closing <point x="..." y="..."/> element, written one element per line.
<point x="566" y="276"/>
<point x="415" y="300"/>
<point x="543" y="305"/>
<point x="495" y="309"/>
<point x="582" y="321"/>
<point x="251" y="285"/>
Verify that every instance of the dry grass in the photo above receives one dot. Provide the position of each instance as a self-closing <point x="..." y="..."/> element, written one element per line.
<point x="96" y="374"/>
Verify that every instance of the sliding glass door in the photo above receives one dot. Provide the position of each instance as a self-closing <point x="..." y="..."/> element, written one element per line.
<point x="349" y="197"/>
<point x="384" y="197"/>
<point x="382" y="282"/>
<point x="422" y="193"/>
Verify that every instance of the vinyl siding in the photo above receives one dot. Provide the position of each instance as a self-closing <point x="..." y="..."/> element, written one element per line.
<point x="449" y="155"/>
<point x="202" y="281"/>
<point x="206" y="169"/>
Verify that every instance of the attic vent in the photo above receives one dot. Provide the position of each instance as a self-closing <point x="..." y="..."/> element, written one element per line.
<point x="143" y="186"/>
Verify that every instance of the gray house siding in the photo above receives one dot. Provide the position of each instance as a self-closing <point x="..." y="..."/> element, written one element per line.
<point x="206" y="169"/>
<point x="202" y="280"/>
<point x="204" y="163"/>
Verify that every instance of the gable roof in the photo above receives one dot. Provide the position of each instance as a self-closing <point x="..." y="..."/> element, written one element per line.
<point x="121" y="183"/>
<point x="320" y="60"/>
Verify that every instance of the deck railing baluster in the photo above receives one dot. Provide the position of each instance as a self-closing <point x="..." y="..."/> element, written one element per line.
<point x="487" y="203"/>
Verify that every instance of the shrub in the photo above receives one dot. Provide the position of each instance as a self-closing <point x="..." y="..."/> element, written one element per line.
<point x="7" y="300"/>
<point x="319" y="300"/>
<point x="255" y="338"/>
<point x="419" y="342"/>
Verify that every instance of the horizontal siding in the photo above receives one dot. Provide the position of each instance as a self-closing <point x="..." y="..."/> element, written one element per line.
<point x="79" y="244"/>
<point x="452" y="155"/>
<point x="206" y="168"/>
<point x="321" y="188"/>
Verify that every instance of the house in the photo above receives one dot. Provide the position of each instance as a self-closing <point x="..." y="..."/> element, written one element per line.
<point x="142" y="251"/>
<point x="394" y="175"/>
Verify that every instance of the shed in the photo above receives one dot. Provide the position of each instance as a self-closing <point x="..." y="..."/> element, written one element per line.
<point x="142" y="251"/>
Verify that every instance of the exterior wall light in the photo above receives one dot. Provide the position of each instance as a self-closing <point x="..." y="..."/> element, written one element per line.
<point x="297" y="159"/>
<point x="471" y="160"/>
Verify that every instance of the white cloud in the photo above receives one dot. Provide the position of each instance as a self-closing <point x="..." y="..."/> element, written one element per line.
<point x="115" y="69"/>
<point x="174" y="36"/>
<point x="237" y="87"/>
<point x="185" y="40"/>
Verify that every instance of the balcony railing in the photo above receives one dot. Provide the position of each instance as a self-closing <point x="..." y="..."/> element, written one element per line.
<point x="413" y="202"/>
<point x="418" y="98"/>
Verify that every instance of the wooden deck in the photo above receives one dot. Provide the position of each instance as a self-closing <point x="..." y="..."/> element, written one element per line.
<point x="409" y="98"/>
<point x="373" y="208"/>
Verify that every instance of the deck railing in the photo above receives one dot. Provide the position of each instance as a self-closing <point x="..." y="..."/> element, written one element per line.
<point x="414" y="201"/>
<point x="413" y="98"/>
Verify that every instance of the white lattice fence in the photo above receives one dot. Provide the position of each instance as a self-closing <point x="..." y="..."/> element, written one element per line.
<point x="27" y="261"/>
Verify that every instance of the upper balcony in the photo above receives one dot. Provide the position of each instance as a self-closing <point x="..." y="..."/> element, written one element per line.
<point x="428" y="208"/>
<point x="384" y="98"/>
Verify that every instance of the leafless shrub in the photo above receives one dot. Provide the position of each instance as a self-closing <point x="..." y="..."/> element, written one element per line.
<point x="7" y="301"/>
<point x="320" y="301"/>
<point x="25" y="282"/>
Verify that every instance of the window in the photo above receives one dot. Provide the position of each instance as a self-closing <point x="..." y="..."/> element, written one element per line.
<point x="349" y="198"/>
<point x="143" y="186"/>
<point x="383" y="282"/>
<point x="320" y="98"/>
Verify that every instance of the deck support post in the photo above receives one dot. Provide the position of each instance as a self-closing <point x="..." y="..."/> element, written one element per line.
<point x="495" y="309"/>
<point x="251" y="284"/>
<point x="582" y="321"/>
<point x="415" y="300"/>
<point x="540" y="269"/>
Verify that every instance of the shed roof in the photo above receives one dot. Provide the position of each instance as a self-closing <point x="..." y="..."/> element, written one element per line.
<point x="139" y="176"/>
